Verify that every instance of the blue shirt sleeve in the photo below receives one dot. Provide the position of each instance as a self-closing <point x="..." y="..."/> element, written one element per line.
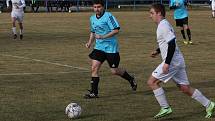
<point x="91" y="25"/>
<point x="112" y="22"/>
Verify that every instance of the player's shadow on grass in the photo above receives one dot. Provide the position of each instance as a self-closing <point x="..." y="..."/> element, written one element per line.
<point x="89" y="116"/>
<point x="203" y="84"/>
<point x="189" y="115"/>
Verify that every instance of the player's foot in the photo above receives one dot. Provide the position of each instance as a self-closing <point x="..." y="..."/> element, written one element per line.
<point x="20" y="36"/>
<point x="190" y="42"/>
<point x="90" y="95"/>
<point x="163" y="112"/>
<point x="210" y="110"/>
<point x="186" y="42"/>
<point x="133" y="84"/>
<point x="14" y="36"/>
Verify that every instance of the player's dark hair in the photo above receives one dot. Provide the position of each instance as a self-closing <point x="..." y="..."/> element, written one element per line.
<point x="159" y="8"/>
<point x="98" y="2"/>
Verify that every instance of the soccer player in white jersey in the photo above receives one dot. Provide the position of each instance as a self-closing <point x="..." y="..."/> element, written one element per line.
<point x="172" y="66"/>
<point x="213" y="8"/>
<point x="104" y="28"/>
<point x="17" y="14"/>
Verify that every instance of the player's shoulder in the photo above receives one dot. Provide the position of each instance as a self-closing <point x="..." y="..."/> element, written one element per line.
<point x="108" y="14"/>
<point x="164" y="25"/>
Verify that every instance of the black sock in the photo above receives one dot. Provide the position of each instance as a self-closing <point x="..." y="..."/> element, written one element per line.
<point x="94" y="85"/>
<point x="183" y="34"/>
<point x="127" y="77"/>
<point x="189" y="34"/>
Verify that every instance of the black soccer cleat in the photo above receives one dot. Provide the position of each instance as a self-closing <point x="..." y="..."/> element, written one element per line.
<point x="133" y="84"/>
<point x="90" y="95"/>
<point x="21" y="36"/>
<point x="14" y="36"/>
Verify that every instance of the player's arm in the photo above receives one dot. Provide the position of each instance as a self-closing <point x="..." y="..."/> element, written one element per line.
<point x="23" y="4"/>
<point x="91" y="40"/>
<point x="155" y="53"/>
<point x="110" y="34"/>
<point x="170" y="53"/>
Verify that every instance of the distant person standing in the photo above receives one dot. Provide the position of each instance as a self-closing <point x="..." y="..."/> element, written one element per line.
<point x="17" y="14"/>
<point x="181" y="18"/>
<point x="213" y="8"/>
<point x="104" y="28"/>
<point x="35" y="3"/>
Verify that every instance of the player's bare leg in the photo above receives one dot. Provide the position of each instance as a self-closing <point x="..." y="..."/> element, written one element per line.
<point x="186" y="27"/>
<point x="124" y="74"/>
<point x="160" y="96"/>
<point x="93" y="92"/>
<point x="198" y="96"/>
<point x="21" y="30"/>
<point x="14" y="27"/>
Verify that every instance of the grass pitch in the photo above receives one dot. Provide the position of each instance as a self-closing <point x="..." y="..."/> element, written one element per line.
<point x="41" y="74"/>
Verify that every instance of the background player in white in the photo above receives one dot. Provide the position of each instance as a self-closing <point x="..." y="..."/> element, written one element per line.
<point x="172" y="67"/>
<point x="213" y="8"/>
<point x="17" y="14"/>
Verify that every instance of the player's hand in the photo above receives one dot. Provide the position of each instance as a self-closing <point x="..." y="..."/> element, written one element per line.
<point x="154" y="54"/>
<point x="16" y="6"/>
<point x="165" y="68"/>
<point x="88" y="45"/>
<point x="99" y="36"/>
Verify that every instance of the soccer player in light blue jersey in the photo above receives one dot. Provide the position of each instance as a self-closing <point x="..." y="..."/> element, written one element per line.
<point x="104" y="28"/>
<point x="181" y="18"/>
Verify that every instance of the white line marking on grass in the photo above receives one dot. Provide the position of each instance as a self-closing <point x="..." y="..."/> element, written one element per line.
<point x="43" y="61"/>
<point x="20" y="74"/>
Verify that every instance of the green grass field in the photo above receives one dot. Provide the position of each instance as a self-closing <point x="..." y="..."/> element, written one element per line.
<point x="49" y="68"/>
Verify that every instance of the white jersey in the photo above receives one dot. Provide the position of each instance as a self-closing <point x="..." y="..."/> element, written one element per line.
<point x="17" y="5"/>
<point x="165" y="34"/>
<point x="177" y="72"/>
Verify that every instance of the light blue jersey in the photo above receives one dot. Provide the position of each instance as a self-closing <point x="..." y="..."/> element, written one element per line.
<point x="180" y="11"/>
<point x="102" y="26"/>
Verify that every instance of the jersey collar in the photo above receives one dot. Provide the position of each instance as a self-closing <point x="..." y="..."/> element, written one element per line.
<point x="101" y="15"/>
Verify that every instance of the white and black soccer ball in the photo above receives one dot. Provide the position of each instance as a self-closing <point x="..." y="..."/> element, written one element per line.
<point x="73" y="110"/>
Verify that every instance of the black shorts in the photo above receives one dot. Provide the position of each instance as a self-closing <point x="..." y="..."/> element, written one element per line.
<point x="113" y="59"/>
<point x="181" y="22"/>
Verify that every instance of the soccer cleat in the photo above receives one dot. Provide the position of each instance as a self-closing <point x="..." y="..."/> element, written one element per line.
<point x="90" y="95"/>
<point x="190" y="42"/>
<point x="133" y="84"/>
<point x="21" y="36"/>
<point x="186" y="42"/>
<point x="14" y="36"/>
<point x="210" y="110"/>
<point x="163" y="112"/>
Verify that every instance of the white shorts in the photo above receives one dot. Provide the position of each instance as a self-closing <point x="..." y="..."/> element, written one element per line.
<point x="18" y="15"/>
<point x="177" y="73"/>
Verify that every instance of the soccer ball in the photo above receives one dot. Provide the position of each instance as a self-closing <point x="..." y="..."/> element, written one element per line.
<point x="73" y="110"/>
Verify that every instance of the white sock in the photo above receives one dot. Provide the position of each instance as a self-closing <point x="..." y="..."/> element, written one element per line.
<point x="198" y="96"/>
<point x="14" y="30"/>
<point x="21" y="31"/>
<point x="213" y="14"/>
<point x="161" y="98"/>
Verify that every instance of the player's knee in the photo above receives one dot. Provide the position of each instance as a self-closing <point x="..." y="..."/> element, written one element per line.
<point x="151" y="83"/>
<point x="184" y="88"/>
<point x="114" y="72"/>
<point x="94" y="69"/>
